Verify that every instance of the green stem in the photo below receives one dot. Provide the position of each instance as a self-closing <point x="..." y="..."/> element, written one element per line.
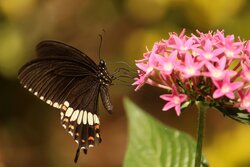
<point x="201" y="124"/>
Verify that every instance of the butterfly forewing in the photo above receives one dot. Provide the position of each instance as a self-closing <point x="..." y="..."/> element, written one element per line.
<point x="57" y="49"/>
<point x="69" y="80"/>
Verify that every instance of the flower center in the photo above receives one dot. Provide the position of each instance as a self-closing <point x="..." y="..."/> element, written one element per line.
<point x="176" y="100"/>
<point x="183" y="48"/>
<point x="168" y="66"/>
<point x="246" y="102"/>
<point x="247" y="74"/>
<point x="229" y="53"/>
<point x="149" y="69"/>
<point x="208" y="56"/>
<point x="194" y="53"/>
<point x="190" y="70"/>
<point x="225" y="89"/>
<point x="217" y="74"/>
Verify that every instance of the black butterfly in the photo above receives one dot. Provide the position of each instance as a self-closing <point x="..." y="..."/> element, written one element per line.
<point x="67" y="79"/>
<point x="242" y="116"/>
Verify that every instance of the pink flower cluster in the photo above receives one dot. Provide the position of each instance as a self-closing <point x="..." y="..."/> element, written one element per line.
<point x="210" y="67"/>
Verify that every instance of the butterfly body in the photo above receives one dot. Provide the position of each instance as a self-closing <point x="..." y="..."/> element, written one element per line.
<point x="67" y="79"/>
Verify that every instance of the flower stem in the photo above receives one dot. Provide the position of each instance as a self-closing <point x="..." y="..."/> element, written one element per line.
<point x="201" y="125"/>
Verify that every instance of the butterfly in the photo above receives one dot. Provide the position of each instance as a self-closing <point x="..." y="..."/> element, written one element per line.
<point x="242" y="116"/>
<point x="69" y="80"/>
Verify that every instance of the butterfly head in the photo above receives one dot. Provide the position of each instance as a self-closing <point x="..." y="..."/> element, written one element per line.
<point x="102" y="63"/>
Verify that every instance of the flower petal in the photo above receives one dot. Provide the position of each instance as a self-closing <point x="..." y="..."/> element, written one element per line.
<point x="217" y="93"/>
<point x="168" y="106"/>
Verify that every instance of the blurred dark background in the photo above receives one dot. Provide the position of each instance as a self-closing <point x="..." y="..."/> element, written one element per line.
<point x="30" y="130"/>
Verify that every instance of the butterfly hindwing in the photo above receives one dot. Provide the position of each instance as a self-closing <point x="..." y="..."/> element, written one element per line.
<point x="80" y="116"/>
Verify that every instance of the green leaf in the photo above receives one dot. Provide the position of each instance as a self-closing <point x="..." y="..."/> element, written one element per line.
<point x="152" y="144"/>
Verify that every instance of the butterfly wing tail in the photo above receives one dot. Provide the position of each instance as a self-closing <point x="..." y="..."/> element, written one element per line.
<point x="77" y="154"/>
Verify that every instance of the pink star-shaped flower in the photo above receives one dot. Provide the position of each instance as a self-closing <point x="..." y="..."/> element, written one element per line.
<point x="167" y="63"/>
<point x="159" y="47"/>
<point x="207" y="53"/>
<point x="225" y="87"/>
<point x="174" y="100"/>
<point x="218" y="72"/>
<point x="149" y="65"/>
<point x="140" y="81"/>
<point x="231" y="49"/>
<point x="181" y="44"/>
<point x="190" y="67"/>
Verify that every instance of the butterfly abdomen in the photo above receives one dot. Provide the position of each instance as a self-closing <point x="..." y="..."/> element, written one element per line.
<point x="106" y="99"/>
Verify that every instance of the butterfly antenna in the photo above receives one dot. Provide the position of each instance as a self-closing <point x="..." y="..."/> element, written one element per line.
<point x="100" y="45"/>
<point x="77" y="154"/>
